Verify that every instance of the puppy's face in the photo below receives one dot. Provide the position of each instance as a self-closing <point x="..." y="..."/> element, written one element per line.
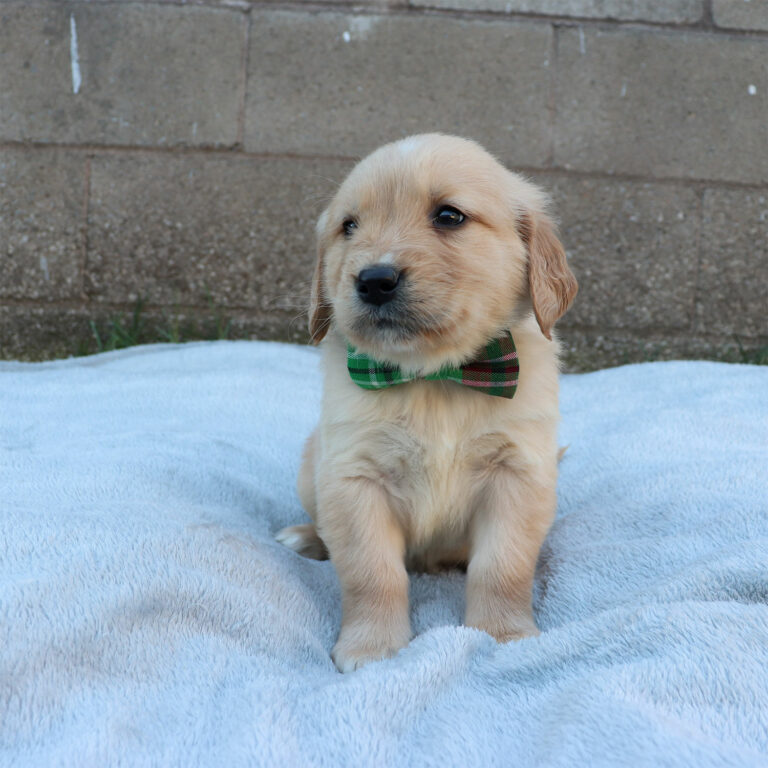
<point x="430" y="249"/>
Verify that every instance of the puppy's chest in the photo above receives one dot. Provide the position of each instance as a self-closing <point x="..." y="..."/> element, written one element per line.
<point x="433" y="473"/>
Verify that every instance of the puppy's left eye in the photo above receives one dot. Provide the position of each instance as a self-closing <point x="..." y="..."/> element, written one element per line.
<point x="446" y="216"/>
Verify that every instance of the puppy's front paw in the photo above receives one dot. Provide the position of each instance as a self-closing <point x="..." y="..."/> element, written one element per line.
<point x="518" y="633"/>
<point x="357" y="646"/>
<point x="517" y="629"/>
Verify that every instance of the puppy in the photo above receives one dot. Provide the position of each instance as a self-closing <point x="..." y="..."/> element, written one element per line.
<point x="438" y="276"/>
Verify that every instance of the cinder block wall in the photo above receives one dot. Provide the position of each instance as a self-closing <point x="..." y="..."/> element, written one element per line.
<point x="180" y="153"/>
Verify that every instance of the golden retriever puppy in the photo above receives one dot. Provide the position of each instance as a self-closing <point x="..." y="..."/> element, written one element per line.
<point x="439" y="275"/>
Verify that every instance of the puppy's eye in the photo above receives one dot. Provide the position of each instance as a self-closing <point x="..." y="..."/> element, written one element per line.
<point x="349" y="226"/>
<point x="446" y="216"/>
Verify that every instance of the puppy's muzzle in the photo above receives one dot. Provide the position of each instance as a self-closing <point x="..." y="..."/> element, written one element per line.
<point x="377" y="284"/>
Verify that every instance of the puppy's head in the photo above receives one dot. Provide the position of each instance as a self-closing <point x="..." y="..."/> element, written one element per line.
<point x="430" y="249"/>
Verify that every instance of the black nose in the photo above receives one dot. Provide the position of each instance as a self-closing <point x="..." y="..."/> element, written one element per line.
<point x="377" y="285"/>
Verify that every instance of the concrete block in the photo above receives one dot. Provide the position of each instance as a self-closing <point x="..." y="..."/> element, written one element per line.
<point x="594" y="349"/>
<point x="732" y="295"/>
<point x="741" y="14"/>
<point x="134" y="74"/>
<point x="664" y="104"/>
<point x="41" y="204"/>
<point x="670" y="11"/>
<point x="48" y="331"/>
<point x="42" y="333"/>
<point x="340" y="84"/>
<point x="178" y="229"/>
<point x="633" y="249"/>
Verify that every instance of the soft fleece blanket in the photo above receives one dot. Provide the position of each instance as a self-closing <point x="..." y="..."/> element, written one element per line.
<point x="148" y="618"/>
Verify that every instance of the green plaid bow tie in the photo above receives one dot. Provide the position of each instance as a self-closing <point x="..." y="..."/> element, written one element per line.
<point x="494" y="372"/>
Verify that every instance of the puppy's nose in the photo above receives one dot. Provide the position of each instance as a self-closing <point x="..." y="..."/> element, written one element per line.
<point x="378" y="284"/>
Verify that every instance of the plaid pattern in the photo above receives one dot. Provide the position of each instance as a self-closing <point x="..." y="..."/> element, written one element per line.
<point x="494" y="372"/>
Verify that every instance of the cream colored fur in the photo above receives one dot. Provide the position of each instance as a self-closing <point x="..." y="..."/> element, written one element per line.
<point x="431" y="473"/>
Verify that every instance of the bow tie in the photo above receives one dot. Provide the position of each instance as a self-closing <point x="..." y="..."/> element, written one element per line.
<point x="494" y="371"/>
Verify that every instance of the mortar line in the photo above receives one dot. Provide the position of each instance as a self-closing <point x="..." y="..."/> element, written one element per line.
<point x="244" y="81"/>
<point x="692" y="183"/>
<point x="699" y="240"/>
<point x="126" y="305"/>
<point x="488" y="15"/>
<point x="85" y="210"/>
<point x="405" y="9"/>
<point x="223" y="152"/>
<point x="650" y="332"/>
<point x="552" y="105"/>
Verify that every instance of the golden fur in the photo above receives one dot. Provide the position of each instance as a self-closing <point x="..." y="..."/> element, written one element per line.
<point x="432" y="473"/>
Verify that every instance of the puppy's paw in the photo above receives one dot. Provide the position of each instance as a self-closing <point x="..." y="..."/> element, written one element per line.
<point x="518" y="633"/>
<point x="358" y="646"/>
<point x="303" y="539"/>
<point x="520" y="627"/>
<point x="348" y="659"/>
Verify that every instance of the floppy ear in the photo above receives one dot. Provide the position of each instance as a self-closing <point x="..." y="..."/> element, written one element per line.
<point x="551" y="283"/>
<point x="319" y="306"/>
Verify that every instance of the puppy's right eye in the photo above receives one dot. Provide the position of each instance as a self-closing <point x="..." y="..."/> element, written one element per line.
<point x="349" y="226"/>
<point x="446" y="216"/>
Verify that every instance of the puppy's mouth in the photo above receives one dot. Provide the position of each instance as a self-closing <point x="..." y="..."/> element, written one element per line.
<point x="390" y="314"/>
<point x="392" y="321"/>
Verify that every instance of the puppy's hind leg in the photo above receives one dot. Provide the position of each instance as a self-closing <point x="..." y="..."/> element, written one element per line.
<point x="304" y="539"/>
<point x="305" y="484"/>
